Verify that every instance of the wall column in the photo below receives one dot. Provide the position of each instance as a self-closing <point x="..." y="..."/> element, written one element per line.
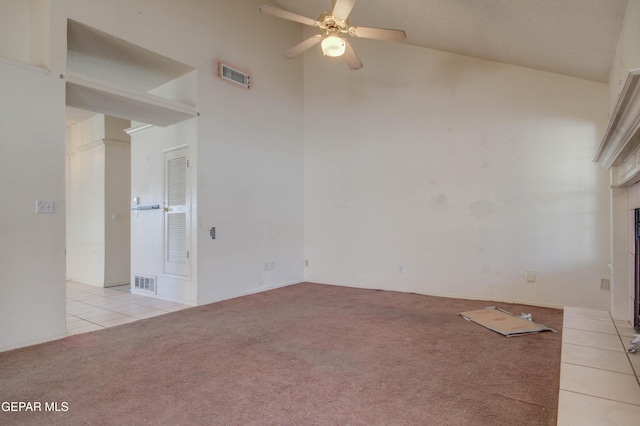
<point x="620" y="254"/>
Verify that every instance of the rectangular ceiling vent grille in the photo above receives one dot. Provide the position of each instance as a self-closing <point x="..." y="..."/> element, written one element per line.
<point x="145" y="283"/>
<point x="233" y="75"/>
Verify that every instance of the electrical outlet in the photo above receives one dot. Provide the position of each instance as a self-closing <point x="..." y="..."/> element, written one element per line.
<point x="530" y="276"/>
<point x="604" y="284"/>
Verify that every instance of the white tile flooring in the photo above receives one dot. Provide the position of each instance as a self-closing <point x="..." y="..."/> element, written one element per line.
<point x="91" y="308"/>
<point x="598" y="379"/>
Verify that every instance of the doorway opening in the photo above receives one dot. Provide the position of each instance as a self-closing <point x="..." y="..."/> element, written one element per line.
<point x="119" y="89"/>
<point x="98" y="190"/>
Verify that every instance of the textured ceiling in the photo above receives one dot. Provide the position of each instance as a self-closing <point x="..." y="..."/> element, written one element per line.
<point x="571" y="37"/>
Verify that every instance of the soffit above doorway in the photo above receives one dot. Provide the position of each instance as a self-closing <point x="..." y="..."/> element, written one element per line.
<point x="89" y="94"/>
<point x="109" y="75"/>
<point x="109" y="58"/>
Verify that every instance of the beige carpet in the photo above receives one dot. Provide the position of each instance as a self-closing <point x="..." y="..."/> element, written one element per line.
<point x="307" y="354"/>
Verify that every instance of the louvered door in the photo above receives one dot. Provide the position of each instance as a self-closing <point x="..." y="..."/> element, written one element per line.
<point x="177" y="212"/>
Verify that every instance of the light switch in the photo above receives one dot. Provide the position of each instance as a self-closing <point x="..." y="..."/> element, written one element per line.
<point x="44" y="207"/>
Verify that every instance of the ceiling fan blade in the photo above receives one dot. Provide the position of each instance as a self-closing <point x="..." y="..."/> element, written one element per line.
<point x="378" y="33"/>
<point x="351" y="57"/>
<point x="299" y="48"/>
<point x="342" y="8"/>
<point x="285" y="14"/>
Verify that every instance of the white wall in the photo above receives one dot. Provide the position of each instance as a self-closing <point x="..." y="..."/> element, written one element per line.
<point x="14" y="30"/>
<point x="86" y="202"/>
<point x="250" y="156"/>
<point x="39" y="18"/>
<point x="24" y="31"/>
<point x="147" y="226"/>
<point x="32" y="283"/>
<point x="117" y="203"/>
<point x="627" y="53"/>
<point x="440" y="174"/>
<point x="98" y="206"/>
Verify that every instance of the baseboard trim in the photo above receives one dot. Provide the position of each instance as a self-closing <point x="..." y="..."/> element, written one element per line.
<point x="450" y="295"/>
<point x="32" y="342"/>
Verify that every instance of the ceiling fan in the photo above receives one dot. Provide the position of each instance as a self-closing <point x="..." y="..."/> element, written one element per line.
<point x="334" y="25"/>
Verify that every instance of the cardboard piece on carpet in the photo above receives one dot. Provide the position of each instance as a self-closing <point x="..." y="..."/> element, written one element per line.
<point x="503" y="322"/>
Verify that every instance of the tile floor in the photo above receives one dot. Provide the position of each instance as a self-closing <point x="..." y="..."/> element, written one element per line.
<point x="91" y="308"/>
<point x="598" y="380"/>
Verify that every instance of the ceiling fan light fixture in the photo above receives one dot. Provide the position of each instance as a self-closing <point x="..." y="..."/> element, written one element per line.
<point x="332" y="25"/>
<point x="333" y="46"/>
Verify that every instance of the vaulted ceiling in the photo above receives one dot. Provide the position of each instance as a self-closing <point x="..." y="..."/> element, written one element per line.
<point x="571" y="37"/>
<point x="577" y="38"/>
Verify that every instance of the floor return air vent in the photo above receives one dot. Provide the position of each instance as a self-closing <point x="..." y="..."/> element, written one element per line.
<point x="145" y="283"/>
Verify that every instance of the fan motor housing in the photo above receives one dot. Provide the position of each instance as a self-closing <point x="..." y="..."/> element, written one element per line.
<point x="329" y="23"/>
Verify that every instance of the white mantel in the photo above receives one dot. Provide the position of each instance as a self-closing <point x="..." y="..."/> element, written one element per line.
<point x="620" y="146"/>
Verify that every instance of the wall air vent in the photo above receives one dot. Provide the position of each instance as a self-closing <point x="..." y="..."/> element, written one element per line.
<point x="145" y="283"/>
<point x="233" y="75"/>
